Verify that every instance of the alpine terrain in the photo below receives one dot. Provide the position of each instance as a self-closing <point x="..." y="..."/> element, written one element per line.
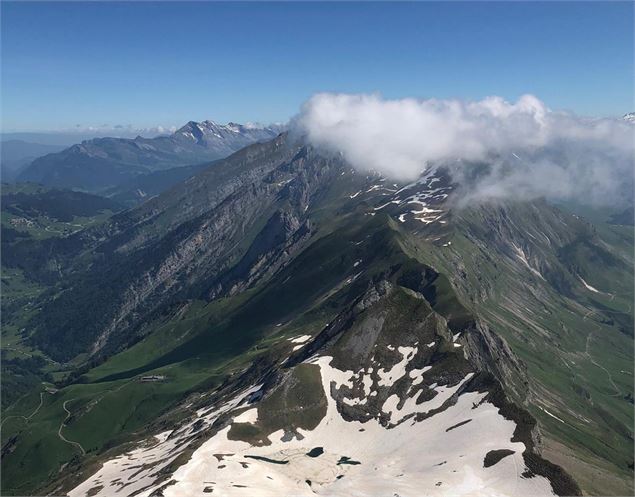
<point x="283" y="324"/>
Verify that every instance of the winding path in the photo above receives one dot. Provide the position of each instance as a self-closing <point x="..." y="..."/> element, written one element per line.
<point x="37" y="408"/>
<point x="68" y="415"/>
<point x="618" y="392"/>
<point x="59" y="431"/>
<point x="26" y="418"/>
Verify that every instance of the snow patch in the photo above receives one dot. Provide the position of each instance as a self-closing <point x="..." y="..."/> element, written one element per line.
<point x="388" y="378"/>
<point x="410" y="459"/>
<point x="589" y="287"/>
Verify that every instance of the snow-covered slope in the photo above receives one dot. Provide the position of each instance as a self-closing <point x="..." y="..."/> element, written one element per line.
<point x="443" y="454"/>
<point x="389" y="406"/>
<point x="225" y="137"/>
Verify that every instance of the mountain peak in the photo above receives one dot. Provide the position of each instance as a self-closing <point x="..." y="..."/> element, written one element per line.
<point x="210" y="130"/>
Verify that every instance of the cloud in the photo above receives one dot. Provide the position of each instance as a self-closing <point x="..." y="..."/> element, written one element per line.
<point x="121" y="130"/>
<point x="494" y="148"/>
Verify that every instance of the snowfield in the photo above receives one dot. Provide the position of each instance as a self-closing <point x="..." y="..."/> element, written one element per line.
<point x="138" y="470"/>
<point x="442" y="455"/>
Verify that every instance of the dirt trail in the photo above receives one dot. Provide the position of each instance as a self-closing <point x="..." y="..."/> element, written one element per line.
<point x="68" y="415"/>
<point x="618" y="392"/>
<point x="26" y="418"/>
<point x="59" y="431"/>
<point x="37" y="408"/>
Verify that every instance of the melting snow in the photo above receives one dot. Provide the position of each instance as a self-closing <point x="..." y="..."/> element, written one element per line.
<point x="299" y="340"/>
<point x="520" y="254"/>
<point x="417" y="374"/>
<point x="549" y="414"/>
<point x="136" y="472"/>
<point x="410" y="405"/>
<point x="589" y="287"/>
<point x="387" y="378"/>
<point x="411" y="459"/>
<point x="248" y="416"/>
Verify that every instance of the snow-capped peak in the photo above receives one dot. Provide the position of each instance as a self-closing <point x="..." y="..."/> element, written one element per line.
<point x="225" y="137"/>
<point x="192" y="128"/>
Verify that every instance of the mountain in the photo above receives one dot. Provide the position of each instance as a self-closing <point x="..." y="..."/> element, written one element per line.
<point x="224" y="139"/>
<point x="281" y="324"/>
<point x="102" y="163"/>
<point x="630" y="117"/>
<point x="17" y="154"/>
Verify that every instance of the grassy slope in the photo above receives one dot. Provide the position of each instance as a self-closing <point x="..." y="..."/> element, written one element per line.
<point x="579" y="362"/>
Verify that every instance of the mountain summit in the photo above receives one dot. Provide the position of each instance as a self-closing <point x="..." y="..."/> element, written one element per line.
<point x="208" y="132"/>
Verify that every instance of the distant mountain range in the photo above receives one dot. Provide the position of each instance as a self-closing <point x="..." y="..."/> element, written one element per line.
<point x="102" y="163"/>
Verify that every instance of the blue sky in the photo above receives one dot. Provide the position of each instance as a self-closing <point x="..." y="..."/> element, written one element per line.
<point x="145" y="64"/>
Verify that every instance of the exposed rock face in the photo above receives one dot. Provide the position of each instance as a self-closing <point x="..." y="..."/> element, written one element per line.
<point x="281" y="237"/>
<point x="224" y="238"/>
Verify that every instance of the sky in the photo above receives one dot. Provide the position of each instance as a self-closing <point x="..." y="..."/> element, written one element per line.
<point x="142" y="65"/>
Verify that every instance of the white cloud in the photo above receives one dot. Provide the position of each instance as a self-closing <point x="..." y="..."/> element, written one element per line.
<point x="121" y="130"/>
<point x="522" y="149"/>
